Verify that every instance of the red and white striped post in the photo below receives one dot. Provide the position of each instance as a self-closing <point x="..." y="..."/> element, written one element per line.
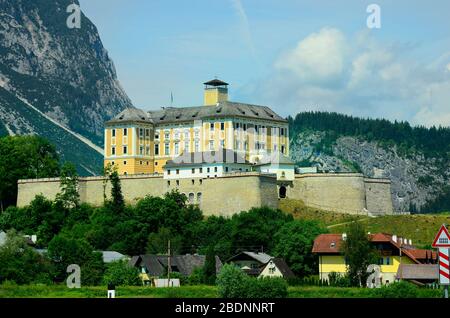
<point x="442" y="243"/>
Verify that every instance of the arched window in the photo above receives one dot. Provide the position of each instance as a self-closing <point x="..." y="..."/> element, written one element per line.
<point x="191" y="197"/>
<point x="199" y="197"/>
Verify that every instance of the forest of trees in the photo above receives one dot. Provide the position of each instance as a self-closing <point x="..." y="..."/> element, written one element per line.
<point x="433" y="141"/>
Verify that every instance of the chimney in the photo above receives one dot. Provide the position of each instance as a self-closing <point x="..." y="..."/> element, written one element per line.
<point x="394" y="238"/>
<point x="344" y="236"/>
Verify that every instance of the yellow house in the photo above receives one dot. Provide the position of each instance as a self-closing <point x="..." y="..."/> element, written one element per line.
<point x="393" y="252"/>
<point x="141" y="142"/>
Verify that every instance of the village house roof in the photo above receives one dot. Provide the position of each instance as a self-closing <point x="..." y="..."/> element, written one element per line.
<point x="283" y="267"/>
<point x="184" y="264"/>
<point x="331" y="244"/>
<point x="260" y="257"/>
<point x="212" y="157"/>
<point x="418" y="271"/>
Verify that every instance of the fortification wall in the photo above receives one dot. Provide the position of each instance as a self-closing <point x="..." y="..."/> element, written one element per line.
<point x="215" y="196"/>
<point x="378" y="196"/>
<point x="344" y="193"/>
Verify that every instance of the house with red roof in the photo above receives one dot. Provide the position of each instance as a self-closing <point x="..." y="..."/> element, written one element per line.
<point x="395" y="255"/>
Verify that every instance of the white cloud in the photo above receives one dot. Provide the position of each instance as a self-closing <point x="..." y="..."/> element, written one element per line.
<point x="359" y="76"/>
<point x="319" y="57"/>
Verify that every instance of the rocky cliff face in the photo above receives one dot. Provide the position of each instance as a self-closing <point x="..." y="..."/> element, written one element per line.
<point x="415" y="179"/>
<point x="51" y="74"/>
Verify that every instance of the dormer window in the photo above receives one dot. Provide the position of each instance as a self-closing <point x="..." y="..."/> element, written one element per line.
<point x="333" y="244"/>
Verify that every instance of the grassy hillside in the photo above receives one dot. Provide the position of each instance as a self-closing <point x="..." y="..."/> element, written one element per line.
<point x="298" y="209"/>
<point x="420" y="228"/>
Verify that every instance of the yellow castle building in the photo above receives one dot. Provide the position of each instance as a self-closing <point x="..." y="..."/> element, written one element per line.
<point x="141" y="142"/>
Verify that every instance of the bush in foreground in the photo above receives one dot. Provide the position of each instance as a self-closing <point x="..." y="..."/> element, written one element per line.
<point x="119" y="273"/>
<point x="232" y="282"/>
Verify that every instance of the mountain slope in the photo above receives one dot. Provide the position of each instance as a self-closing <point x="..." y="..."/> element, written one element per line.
<point x="416" y="159"/>
<point x="64" y="73"/>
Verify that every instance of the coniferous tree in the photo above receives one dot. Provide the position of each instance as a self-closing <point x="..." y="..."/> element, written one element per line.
<point x="118" y="202"/>
<point x="68" y="197"/>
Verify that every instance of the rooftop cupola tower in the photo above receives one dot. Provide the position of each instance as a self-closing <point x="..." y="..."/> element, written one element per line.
<point x="215" y="91"/>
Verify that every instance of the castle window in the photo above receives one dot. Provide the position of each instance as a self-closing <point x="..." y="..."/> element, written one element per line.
<point x="147" y="163"/>
<point x="388" y="260"/>
<point x="282" y="149"/>
<point x="245" y="127"/>
<point x="168" y="183"/>
<point x="196" y="133"/>
<point x="168" y="171"/>
<point x="166" y="135"/>
<point x="193" y="181"/>
<point x="211" y="145"/>
<point x="208" y="170"/>
<point x="177" y="148"/>
<point x="178" y="171"/>
<point x="200" y="170"/>
<point x="282" y="131"/>
<point x="193" y="170"/>
<point x="186" y="146"/>
<point x="147" y="132"/>
<point x="201" y="181"/>
<point x="125" y="173"/>
<point x="113" y="133"/>
<point x="147" y="150"/>
<point x="226" y="169"/>
<point x="124" y="162"/>
<point x="140" y="162"/>
<point x="125" y="150"/>
<point x="156" y="163"/>
<point x="191" y="197"/>
<point x="197" y="146"/>
<point x="215" y="169"/>
<point x="157" y="136"/>
<point x="156" y="149"/>
<point x="141" y="132"/>
<point x="112" y="163"/>
<point x="199" y="197"/>
<point x="125" y="131"/>
<point x="113" y="151"/>
<point x="178" y="182"/>
<point x="211" y="126"/>
<point x="141" y="150"/>
<point x="166" y="149"/>
<point x="222" y="126"/>
<point x="222" y="143"/>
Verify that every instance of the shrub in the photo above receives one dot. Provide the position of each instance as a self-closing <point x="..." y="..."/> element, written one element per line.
<point x="232" y="282"/>
<point x="196" y="277"/>
<point x="268" y="287"/>
<point x="398" y="290"/>
<point x="119" y="273"/>
<point x="337" y="280"/>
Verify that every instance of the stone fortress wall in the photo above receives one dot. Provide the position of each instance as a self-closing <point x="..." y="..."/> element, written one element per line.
<point x="345" y="193"/>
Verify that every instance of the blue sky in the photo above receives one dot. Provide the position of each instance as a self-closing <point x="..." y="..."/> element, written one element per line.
<point x="290" y="55"/>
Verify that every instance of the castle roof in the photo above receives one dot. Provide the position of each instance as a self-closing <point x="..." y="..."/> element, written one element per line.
<point x="189" y="114"/>
<point x="130" y="114"/>
<point x="221" y="110"/>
